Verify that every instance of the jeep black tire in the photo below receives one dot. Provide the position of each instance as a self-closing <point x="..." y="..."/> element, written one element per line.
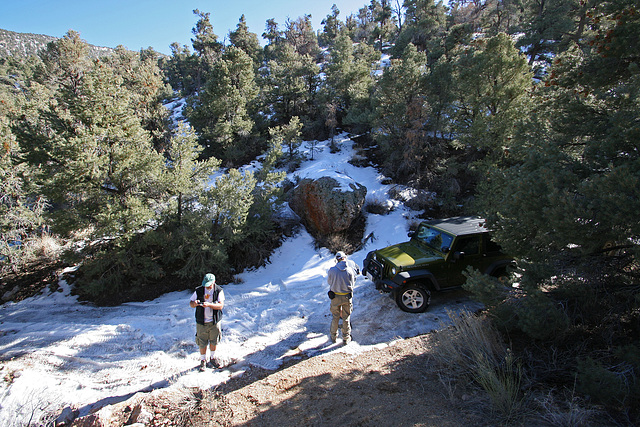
<point x="413" y="299"/>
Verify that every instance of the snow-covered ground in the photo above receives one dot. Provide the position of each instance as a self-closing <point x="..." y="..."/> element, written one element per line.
<point x="56" y="352"/>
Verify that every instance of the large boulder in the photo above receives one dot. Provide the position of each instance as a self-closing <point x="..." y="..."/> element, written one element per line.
<point x="328" y="205"/>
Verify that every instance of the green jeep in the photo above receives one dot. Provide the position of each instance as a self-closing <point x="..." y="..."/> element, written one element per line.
<point x="434" y="260"/>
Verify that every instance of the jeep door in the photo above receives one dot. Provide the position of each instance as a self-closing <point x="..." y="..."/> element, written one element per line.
<point x="466" y="251"/>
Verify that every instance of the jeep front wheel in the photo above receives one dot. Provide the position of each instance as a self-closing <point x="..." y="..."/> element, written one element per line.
<point x="413" y="299"/>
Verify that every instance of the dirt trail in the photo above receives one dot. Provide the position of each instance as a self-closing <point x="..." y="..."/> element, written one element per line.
<point x="389" y="386"/>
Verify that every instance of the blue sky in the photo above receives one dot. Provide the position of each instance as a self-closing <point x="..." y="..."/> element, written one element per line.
<point x="138" y="24"/>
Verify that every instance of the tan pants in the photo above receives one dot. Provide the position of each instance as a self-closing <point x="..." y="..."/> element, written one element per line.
<point x="209" y="333"/>
<point x="341" y="306"/>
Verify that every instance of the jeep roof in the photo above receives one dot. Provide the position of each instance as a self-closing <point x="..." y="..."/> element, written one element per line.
<point x="460" y="225"/>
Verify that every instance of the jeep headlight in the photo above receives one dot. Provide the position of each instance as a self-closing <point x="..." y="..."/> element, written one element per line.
<point x="394" y="270"/>
<point x="374" y="257"/>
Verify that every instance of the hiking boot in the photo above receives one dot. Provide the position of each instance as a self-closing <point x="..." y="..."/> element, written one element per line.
<point x="334" y="339"/>
<point x="346" y="340"/>
<point x="213" y="364"/>
<point x="203" y="365"/>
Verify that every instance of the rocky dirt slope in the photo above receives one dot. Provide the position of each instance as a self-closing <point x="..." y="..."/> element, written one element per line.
<point x="394" y="385"/>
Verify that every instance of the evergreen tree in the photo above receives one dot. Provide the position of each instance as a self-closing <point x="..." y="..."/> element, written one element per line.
<point x="349" y="81"/>
<point x="566" y="201"/>
<point x="492" y="81"/>
<point x="143" y="78"/>
<point x="220" y="112"/>
<point x="385" y="27"/>
<point x="402" y="119"/>
<point x="206" y="46"/>
<point x="186" y="175"/>
<point x="100" y="169"/>
<point x="290" y="86"/>
<point x="331" y="27"/>
<point x="300" y="35"/>
<point x="545" y="23"/>
<point x="247" y="41"/>
<point x="425" y="27"/>
<point x="288" y="136"/>
<point x="274" y="38"/>
<point x="21" y="206"/>
<point x="181" y="70"/>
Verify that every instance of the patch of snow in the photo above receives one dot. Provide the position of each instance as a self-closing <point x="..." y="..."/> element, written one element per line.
<point x="57" y="352"/>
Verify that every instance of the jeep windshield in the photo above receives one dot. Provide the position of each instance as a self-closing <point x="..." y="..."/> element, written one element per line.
<point x="433" y="238"/>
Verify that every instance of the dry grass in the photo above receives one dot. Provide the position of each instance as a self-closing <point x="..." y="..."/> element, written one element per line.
<point x="471" y="348"/>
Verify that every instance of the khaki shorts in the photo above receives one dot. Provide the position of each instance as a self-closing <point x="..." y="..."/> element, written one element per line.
<point x="209" y="333"/>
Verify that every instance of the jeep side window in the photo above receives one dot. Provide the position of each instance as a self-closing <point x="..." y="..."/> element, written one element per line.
<point x="468" y="245"/>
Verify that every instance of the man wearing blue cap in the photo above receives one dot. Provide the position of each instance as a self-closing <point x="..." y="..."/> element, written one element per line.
<point x="208" y="300"/>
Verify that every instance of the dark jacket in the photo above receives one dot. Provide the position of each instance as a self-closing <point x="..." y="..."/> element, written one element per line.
<point x="217" y="314"/>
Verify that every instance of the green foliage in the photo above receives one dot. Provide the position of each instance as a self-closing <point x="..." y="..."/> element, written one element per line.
<point x="21" y="207"/>
<point x="492" y="82"/>
<point x="331" y="27"/>
<point x="143" y="79"/>
<point x="402" y="120"/>
<point x="542" y="318"/>
<point x="247" y="41"/>
<point x="424" y="27"/>
<point x="299" y="34"/>
<point x="84" y="130"/>
<point x="533" y="313"/>
<point x="289" y="86"/>
<point x="220" y="111"/>
<point x="348" y="83"/>
<point x="186" y="176"/>
<point x="486" y="289"/>
<point x="287" y="136"/>
<point x="124" y="270"/>
<point x="601" y="384"/>
<point x="503" y="384"/>
<point x="472" y="349"/>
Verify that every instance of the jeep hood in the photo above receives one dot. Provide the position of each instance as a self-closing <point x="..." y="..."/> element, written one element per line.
<point x="407" y="254"/>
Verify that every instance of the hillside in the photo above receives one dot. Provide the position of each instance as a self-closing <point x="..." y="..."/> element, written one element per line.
<point x="27" y="44"/>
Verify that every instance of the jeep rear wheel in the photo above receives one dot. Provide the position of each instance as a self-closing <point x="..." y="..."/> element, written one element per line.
<point x="413" y="299"/>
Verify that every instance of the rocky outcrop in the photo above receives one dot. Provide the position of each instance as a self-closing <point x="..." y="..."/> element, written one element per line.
<point x="328" y="205"/>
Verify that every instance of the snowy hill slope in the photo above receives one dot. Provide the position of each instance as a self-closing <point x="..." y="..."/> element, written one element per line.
<point x="56" y="352"/>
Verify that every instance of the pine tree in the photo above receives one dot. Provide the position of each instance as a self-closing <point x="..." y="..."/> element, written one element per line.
<point x="385" y="27"/>
<point x="206" y="46"/>
<point x="186" y="175"/>
<point x="21" y="205"/>
<point x="492" y="81"/>
<point x="274" y="38"/>
<point x="143" y="78"/>
<point x="99" y="166"/>
<point x="565" y="201"/>
<point x="331" y="27"/>
<point x="290" y="86"/>
<point x="349" y="81"/>
<point x="247" y="41"/>
<point x="425" y="27"/>
<point x="220" y="112"/>
<point x="300" y="35"/>
<point x="402" y="118"/>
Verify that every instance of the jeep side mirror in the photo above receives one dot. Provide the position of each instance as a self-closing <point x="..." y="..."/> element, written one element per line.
<point x="411" y="233"/>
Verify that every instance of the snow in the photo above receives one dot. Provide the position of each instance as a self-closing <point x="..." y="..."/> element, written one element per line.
<point x="57" y="352"/>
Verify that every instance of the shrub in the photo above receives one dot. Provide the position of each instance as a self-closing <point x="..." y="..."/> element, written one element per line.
<point x="378" y="207"/>
<point x="474" y="349"/>
<point x="541" y="318"/>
